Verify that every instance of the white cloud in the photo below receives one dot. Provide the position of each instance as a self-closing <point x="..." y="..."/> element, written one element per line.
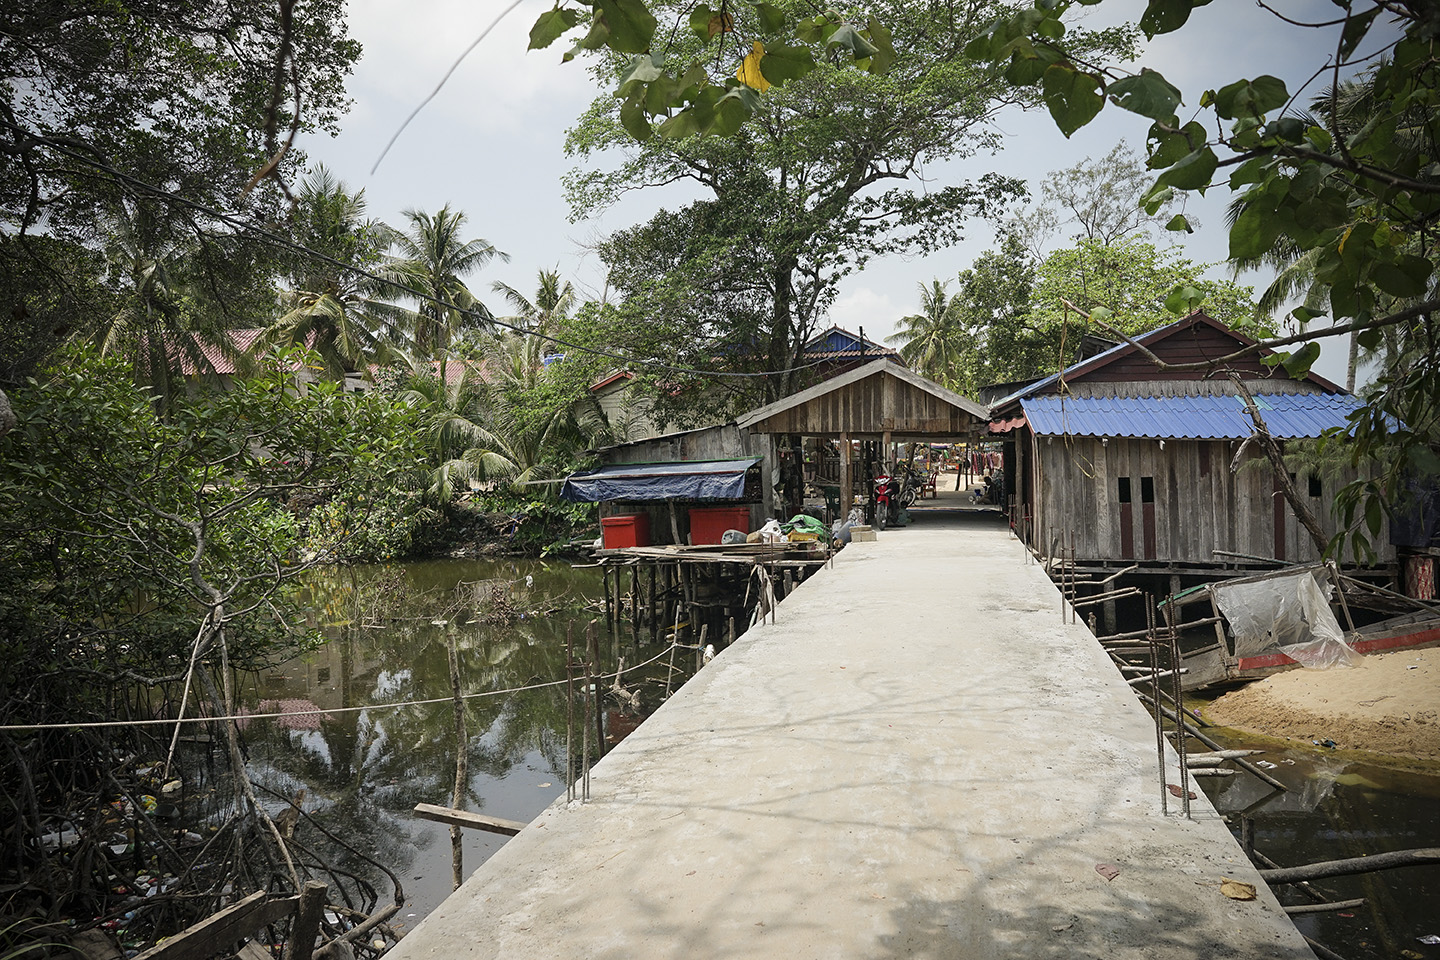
<point x="864" y="307"/>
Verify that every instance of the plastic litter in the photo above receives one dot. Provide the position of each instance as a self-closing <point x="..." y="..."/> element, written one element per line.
<point x="1429" y="938"/>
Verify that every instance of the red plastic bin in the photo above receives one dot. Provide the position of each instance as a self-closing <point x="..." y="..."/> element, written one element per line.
<point x="626" y="531"/>
<point x="708" y="524"/>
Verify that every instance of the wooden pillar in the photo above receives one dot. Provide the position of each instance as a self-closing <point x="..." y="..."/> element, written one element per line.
<point x="847" y="479"/>
<point x="887" y="458"/>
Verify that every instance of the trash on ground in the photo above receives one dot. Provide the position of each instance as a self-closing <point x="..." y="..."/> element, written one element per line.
<point x="1107" y="870"/>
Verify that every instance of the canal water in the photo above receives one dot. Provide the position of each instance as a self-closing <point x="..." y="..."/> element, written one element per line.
<point x="363" y="770"/>
<point x="1337" y="808"/>
<point x="363" y="767"/>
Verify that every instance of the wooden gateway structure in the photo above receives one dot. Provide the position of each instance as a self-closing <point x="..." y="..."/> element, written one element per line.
<point x="877" y="405"/>
<point x="1114" y="462"/>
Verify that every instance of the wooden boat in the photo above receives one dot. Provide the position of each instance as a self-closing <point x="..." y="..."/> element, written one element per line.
<point x="1214" y="651"/>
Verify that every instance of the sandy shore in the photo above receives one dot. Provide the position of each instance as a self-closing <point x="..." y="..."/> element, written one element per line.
<point x="1390" y="703"/>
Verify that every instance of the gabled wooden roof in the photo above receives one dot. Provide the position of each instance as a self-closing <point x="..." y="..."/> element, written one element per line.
<point x="870" y="400"/>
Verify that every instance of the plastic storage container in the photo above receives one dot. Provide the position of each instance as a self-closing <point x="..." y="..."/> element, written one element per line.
<point x="708" y="524"/>
<point x="626" y="531"/>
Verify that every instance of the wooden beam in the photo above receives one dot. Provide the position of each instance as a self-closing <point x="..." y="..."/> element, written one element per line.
<point x="462" y="818"/>
<point x="847" y="480"/>
<point x="221" y="930"/>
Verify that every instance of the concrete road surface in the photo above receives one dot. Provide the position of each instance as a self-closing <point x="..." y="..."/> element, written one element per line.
<point x="919" y="759"/>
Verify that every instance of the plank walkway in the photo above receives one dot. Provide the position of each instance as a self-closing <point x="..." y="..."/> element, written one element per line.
<point x="919" y="759"/>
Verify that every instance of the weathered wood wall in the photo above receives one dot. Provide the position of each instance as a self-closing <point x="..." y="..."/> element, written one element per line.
<point x="1191" y="505"/>
<point x="867" y="409"/>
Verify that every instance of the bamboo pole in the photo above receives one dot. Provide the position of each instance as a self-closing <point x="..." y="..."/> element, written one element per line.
<point x="570" y="711"/>
<point x="1352" y="865"/>
<point x="1159" y="717"/>
<point x="462" y="780"/>
<point x="1325" y="907"/>
<point x="592" y="655"/>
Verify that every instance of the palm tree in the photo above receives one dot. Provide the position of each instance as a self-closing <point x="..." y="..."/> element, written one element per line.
<point x="160" y="322"/>
<point x="929" y="339"/>
<point x="338" y="312"/>
<point x="553" y="302"/>
<point x="431" y="268"/>
<point x="482" y="430"/>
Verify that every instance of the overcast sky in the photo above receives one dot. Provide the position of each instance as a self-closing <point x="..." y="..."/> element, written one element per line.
<point x="492" y="142"/>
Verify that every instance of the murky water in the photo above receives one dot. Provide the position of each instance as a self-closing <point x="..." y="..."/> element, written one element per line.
<point x="1336" y="809"/>
<point x="363" y="769"/>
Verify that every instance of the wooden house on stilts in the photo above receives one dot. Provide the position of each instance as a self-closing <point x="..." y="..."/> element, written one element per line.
<point x="1126" y="463"/>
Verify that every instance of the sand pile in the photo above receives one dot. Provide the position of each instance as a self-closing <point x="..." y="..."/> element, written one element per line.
<point x="1389" y="703"/>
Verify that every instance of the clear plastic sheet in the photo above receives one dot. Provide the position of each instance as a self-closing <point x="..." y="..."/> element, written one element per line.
<point x="1289" y="615"/>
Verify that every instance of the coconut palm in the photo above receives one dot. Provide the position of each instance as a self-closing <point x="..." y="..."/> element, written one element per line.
<point x="482" y="430"/>
<point x="338" y="311"/>
<point x="929" y="339"/>
<point x="554" y="299"/>
<point x="430" y="270"/>
<point x="160" y="322"/>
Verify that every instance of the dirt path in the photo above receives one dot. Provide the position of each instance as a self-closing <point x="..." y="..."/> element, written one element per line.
<point x="1390" y="703"/>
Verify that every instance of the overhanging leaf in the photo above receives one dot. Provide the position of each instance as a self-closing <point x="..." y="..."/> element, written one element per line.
<point x="1250" y="98"/>
<point x="1193" y="172"/>
<point x="1148" y="94"/>
<point x="1178" y="223"/>
<point x="1183" y="299"/>
<point x="749" y="72"/>
<point x="629" y="22"/>
<point x="551" y="25"/>
<point x="1072" y="97"/>
<point x="848" y="38"/>
<point x="783" y="62"/>
<point x="772" y="18"/>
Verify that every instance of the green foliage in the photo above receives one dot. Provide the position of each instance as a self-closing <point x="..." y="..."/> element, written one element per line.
<point x="1013" y="319"/>
<point x="533" y="525"/>
<point x="825" y="180"/>
<point x="388" y="524"/>
<point x="124" y="532"/>
<point x="1351" y="201"/>
<point x="183" y="95"/>
<point x="345" y="317"/>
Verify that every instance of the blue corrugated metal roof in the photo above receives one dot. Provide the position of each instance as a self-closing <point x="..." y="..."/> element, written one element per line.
<point x="1287" y="415"/>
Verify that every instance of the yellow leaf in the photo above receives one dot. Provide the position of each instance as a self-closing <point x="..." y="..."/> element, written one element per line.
<point x="1236" y="890"/>
<point x="749" y="72"/>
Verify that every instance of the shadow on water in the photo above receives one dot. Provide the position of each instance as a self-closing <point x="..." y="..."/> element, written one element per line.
<point x="363" y="768"/>
<point x="1338" y="808"/>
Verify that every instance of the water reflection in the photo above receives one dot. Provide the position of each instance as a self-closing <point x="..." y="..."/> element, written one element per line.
<point x="1335" y="809"/>
<point x="364" y="765"/>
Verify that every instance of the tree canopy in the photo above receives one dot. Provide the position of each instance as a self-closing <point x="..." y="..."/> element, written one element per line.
<point x="829" y="175"/>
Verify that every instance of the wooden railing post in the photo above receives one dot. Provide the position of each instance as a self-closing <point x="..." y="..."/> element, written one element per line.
<point x="307" y="921"/>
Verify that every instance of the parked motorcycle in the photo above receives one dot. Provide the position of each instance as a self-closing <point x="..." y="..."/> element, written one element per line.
<point x="887" y="500"/>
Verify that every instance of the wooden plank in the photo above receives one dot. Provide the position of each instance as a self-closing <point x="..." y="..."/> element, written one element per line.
<point x="473" y="821"/>
<point x="222" y="930"/>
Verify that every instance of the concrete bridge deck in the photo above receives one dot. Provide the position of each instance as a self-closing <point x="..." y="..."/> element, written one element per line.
<point x="919" y="759"/>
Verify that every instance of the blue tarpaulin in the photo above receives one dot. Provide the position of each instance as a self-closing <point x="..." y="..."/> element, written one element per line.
<point x="688" y="480"/>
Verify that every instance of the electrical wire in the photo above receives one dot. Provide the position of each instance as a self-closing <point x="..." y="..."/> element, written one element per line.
<point x="278" y="240"/>
<point x="318" y="711"/>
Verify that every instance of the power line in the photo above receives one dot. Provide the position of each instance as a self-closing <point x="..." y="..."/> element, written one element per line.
<point x="318" y="711"/>
<point x="274" y="238"/>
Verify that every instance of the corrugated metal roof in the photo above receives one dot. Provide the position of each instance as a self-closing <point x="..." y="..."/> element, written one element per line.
<point x="1287" y="415"/>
